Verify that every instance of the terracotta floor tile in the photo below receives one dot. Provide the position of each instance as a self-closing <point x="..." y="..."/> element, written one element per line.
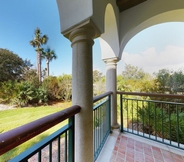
<point x="139" y="149"/>
<point x="120" y="155"/>
<point x="156" y="149"/>
<point x="148" y="151"/>
<point x="118" y="159"/>
<point x="129" y="159"/>
<point x="178" y="159"/>
<point x="149" y="158"/>
<point x="130" y="154"/>
<point x="146" y="146"/>
<point x="130" y="150"/>
<point x="169" y="160"/>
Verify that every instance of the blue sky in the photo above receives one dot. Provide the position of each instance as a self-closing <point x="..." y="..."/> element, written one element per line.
<point x="160" y="46"/>
<point x="156" y="47"/>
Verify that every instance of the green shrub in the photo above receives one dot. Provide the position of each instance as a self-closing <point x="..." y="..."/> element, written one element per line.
<point x="27" y="93"/>
<point x="8" y="91"/>
<point x="51" y="85"/>
<point x="159" y="122"/>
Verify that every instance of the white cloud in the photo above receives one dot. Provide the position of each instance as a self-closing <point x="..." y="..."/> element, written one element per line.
<point x="172" y="57"/>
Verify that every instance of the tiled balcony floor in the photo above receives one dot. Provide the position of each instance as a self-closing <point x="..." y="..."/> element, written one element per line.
<point x="128" y="148"/>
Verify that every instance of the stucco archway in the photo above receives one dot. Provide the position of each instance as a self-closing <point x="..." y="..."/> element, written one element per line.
<point x="109" y="40"/>
<point x="170" y="16"/>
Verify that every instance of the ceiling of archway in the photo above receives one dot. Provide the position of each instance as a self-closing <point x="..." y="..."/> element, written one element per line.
<point x="126" y="4"/>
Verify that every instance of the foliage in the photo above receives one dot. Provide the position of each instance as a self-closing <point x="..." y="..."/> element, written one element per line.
<point x="98" y="83"/>
<point x="49" y="55"/>
<point x="133" y="72"/>
<point x="8" y="91"/>
<point x="97" y="75"/>
<point x="162" y="80"/>
<point x="12" y="67"/>
<point x="51" y="85"/>
<point x="169" y="81"/>
<point x="31" y="77"/>
<point x="42" y="96"/>
<point x="135" y="79"/>
<point x="65" y="82"/>
<point x="37" y="41"/>
<point x="152" y="118"/>
<point x="27" y="93"/>
<point x="120" y="83"/>
<point x="158" y="121"/>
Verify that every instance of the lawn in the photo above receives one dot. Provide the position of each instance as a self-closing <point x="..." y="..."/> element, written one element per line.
<point x="10" y="119"/>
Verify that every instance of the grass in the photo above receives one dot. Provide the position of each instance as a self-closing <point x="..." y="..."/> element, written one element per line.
<point x="10" y="119"/>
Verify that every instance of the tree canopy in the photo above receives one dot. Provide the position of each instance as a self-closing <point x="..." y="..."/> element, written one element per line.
<point x="12" y="67"/>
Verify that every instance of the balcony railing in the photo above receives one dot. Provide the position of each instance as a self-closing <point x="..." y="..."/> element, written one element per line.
<point x="64" y="150"/>
<point x="158" y="117"/>
<point x="60" y="144"/>
<point x="101" y="121"/>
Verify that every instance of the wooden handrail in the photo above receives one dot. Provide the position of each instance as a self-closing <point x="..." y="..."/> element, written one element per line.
<point x="152" y="94"/>
<point x="99" y="97"/>
<point x="19" y="135"/>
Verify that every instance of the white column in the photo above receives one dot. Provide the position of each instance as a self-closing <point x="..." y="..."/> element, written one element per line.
<point x="111" y="86"/>
<point x="82" y="92"/>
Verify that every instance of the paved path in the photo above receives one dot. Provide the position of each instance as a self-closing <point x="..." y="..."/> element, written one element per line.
<point x="5" y="107"/>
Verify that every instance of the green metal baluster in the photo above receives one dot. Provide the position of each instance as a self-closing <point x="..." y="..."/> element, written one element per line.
<point x="100" y="126"/>
<point x="121" y="111"/>
<point x="96" y="142"/>
<point x="169" y="124"/>
<point x="109" y="110"/>
<point x="59" y="148"/>
<point x="132" y="115"/>
<point x="94" y="131"/>
<point x="39" y="156"/>
<point x="66" y="148"/>
<point x="155" y="121"/>
<point x="178" y="138"/>
<point x="137" y="117"/>
<point x="127" y="115"/>
<point x="50" y="152"/>
<point x="162" y="123"/>
<point x="71" y="143"/>
<point x="149" y="117"/>
<point x="143" y="116"/>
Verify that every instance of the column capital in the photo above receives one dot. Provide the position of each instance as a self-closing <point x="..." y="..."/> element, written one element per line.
<point x="111" y="61"/>
<point x="86" y="33"/>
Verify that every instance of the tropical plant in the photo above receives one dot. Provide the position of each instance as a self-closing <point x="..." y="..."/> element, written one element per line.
<point x="36" y="43"/>
<point x="49" y="55"/>
<point x="28" y="93"/>
<point x="42" y="96"/>
<point x="25" y="94"/>
<point x="157" y="121"/>
<point x="153" y="119"/>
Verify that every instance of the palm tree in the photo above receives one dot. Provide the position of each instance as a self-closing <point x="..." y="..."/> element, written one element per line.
<point x="49" y="55"/>
<point x="36" y="43"/>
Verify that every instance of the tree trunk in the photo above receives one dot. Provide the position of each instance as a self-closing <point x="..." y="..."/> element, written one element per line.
<point x="39" y="66"/>
<point x="47" y="67"/>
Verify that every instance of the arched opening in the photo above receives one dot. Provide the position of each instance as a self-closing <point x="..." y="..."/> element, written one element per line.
<point x="158" y="47"/>
<point x="109" y="40"/>
<point x="170" y="16"/>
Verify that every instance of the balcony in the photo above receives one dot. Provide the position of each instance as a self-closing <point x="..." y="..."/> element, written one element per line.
<point x="151" y="129"/>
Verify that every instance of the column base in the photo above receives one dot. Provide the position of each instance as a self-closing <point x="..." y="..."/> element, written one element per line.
<point x="115" y="126"/>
